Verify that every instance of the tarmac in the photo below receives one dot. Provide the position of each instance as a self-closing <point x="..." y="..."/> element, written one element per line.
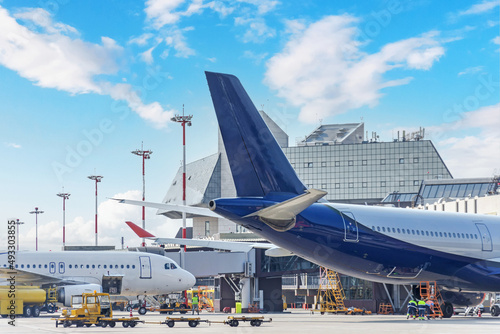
<point x="295" y="321"/>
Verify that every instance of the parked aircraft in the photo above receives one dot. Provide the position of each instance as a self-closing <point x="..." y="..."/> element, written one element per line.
<point x="388" y="245"/>
<point x="118" y="273"/>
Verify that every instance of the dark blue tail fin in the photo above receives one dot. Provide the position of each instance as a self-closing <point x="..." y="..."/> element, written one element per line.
<point x="257" y="163"/>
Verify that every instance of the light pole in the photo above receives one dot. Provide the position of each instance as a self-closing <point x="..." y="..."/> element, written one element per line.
<point x="64" y="196"/>
<point x="36" y="212"/>
<point x="145" y="155"/>
<point x="183" y="120"/>
<point x="18" y="223"/>
<point x="96" y="178"/>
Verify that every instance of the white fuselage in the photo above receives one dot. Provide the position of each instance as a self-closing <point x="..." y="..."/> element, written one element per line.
<point x="141" y="273"/>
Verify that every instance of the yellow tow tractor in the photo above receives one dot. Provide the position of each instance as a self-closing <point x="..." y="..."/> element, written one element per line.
<point x="92" y="309"/>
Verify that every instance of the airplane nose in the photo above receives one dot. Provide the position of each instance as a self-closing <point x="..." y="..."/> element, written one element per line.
<point x="190" y="280"/>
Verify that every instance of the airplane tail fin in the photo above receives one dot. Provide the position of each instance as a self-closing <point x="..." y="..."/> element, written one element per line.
<point x="141" y="233"/>
<point x="257" y="163"/>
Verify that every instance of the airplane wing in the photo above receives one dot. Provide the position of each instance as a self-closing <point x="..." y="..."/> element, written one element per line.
<point x="271" y="250"/>
<point x="171" y="207"/>
<point x="24" y="277"/>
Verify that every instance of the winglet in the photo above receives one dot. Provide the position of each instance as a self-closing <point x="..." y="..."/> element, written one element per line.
<point x="142" y="233"/>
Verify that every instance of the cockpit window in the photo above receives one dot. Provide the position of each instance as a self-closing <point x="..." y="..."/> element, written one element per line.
<point x="173" y="266"/>
<point x="167" y="265"/>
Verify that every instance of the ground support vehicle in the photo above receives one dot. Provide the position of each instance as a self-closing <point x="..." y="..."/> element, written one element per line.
<point x="28" y="301"/>
<point x="93" y="309"/>
<point x="355" y="310"/>
<point x="234" y="321"/>
<point x="102" y="322"/>
<point x="171" y="308"/>
<point x="192" y="322"/>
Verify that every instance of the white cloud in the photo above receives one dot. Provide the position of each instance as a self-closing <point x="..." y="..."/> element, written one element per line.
<point x="43" y="19"/>
<point x="471" y="70"/>
<point x="257" y="58"/>
<point x="167" y="12"/>
<point x="175" y="38"/>
<point x="141" y="40"/>
<point x="263" y="6"/>
<point x="147" y="56"/>
<point x="480" y="8"/>
<point x="55" y="60"/>
<point x="323" y="71"/>
<point x="13" y="145"/>
<point x="470" y="145"/>
<point x="257" y="31"/>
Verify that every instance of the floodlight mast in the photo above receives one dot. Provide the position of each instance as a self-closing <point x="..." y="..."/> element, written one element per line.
<point x="64" y="196"/>
<point x="17" y="237"/>
<point x="183" y="120"/>
<point x="145" y="155"/>
<point x="96" y="178"/>
<point x="36" y="212"/>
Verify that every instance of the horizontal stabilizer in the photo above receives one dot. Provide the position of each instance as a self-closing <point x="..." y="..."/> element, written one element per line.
<point x="171" y="207"/>
<point x="281" y="217"/>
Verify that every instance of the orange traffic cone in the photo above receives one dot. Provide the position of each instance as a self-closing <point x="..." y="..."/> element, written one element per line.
<point x="479" y="313"/>
<point x="131" y="312"/>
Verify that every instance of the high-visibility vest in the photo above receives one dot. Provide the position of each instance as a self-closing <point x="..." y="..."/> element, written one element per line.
<point x="195" y="300"/>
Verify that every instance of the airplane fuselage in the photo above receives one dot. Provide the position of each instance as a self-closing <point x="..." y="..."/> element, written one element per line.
<point x="139" y="273"/>
<point x="388" y="245"/>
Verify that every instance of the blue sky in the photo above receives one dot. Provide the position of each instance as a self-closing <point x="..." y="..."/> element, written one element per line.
<point x="83" y="83"/>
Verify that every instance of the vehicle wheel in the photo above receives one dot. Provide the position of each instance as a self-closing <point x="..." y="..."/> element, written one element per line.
<point x="447" y="309"/>
<point x="252" y="323"/>
<point x="125" y="324"/>
<point x="66" y="324"/>
<point x="495" y="310"/>
<point x="142" y="310"/>
<point x="183" y="307"/>
<point x="104" y="324"/>
<point x="51" y="308"/>
<point x="170" y="312"/>
<point x="132" y="324"/>
<point x="170" y="323"/>
<point x="128" y="308"/>
<point x="258" y="323"/>
<point x="112" y="324"/>
<point x="193" y="323"/>
<point x="36" y="311"/>
<point x="27" y="311"/>
<point x="234" y="323"/>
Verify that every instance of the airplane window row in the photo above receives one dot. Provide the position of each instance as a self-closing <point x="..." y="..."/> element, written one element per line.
<point x="76" y="266"/>
<point x="426" y="233"/>
<point x="87" y="266"/>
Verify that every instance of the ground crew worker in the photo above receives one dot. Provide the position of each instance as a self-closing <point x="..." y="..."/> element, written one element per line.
<point x="421" y="309"/>
<point x="412" y="309"/>
<point x="195" y="305"/>
<point x="429" y="308"/>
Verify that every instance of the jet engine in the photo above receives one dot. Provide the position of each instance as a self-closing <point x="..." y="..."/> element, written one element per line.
<point x="65" y="292"/>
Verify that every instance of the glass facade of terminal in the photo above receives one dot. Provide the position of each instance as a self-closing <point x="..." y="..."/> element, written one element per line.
<point x="367" y="171"/>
